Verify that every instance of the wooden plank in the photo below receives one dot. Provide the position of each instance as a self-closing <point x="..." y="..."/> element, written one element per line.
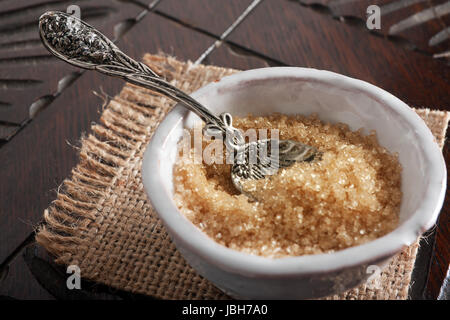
<point x="393" y="12"/>
<point x="213" y="16"/>
<point x="230" y="56"/>
<point x="26" y="66"/>
<point x="18" y="282"/>
<point x="299" y="36"/>
<point x="7" y="130"/>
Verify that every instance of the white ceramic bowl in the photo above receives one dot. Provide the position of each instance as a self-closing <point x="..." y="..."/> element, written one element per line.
<point x="334" y="98"/>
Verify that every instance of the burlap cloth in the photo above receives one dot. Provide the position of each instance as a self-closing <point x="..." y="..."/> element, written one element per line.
<point x="103" y="222"/>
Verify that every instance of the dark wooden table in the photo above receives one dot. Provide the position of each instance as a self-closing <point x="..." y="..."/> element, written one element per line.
<point x="46" y="105"/>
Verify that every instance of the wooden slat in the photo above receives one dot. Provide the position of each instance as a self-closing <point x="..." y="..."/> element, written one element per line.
<point x="213" y="16"/>
<point x="231" y="57"/>
<point x="393" y="12"/>
<point x="310" y="39"/>
<point x="7" y="130"/>
<point x="27" y="71"/>
<point x="18" y="282"/>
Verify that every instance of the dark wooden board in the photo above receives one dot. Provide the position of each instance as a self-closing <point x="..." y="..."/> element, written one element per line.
<point x="229" y="56"/>
<point x="210" y="15"/>
<point x="26" y="66"/>
<point x="18" y="281"/>
<point x="310" y="39"/>
<point x="278" y="33"/>
<point x="392" y="12"/>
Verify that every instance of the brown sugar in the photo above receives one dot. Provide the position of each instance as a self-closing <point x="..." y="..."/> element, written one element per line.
<point x="349" y="197"/>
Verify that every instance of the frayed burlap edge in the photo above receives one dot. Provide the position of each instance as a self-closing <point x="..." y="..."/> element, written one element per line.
<point x="102" y="221"/>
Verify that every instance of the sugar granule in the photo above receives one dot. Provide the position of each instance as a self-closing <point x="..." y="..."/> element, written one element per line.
<point x="350" y="197"/>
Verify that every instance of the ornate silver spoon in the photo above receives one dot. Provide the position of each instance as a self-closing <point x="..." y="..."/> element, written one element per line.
<point x="81" y="45"/>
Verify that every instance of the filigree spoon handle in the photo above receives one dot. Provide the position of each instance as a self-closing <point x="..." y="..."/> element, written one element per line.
<point x="81" y="45"/>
